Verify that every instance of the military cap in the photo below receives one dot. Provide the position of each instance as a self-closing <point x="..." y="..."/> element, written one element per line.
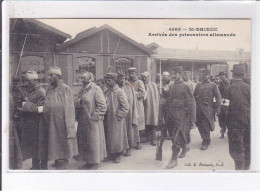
<point x="146" y="74"/>
<point x="186" y="72"/>
<point x="165" y="73"/>
<point x="31" y="74"/>
<point x="239" y="68"/>
<point x="131" y="69"/>
<point x="120" y="74"/>
<point x="222" y="73"/>
<point x="55" y="70"/>
<point x="177" y="69"/>
<point x="205" y="71"/>
<point x="112" y="76"/>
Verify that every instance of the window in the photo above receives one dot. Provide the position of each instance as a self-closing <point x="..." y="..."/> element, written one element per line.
<point x="83" y="64"/>
<point x="35" y="63"/>
<point x="123" y="64"/>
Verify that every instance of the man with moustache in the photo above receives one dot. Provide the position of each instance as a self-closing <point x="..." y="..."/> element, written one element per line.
<point x="59" y="116"/>
<point x="205" y="93"/>
<point x="117" y="109"/>
<point x="181" y="103"/>
<point x="139" y="88"/>
<point x="151" y="107"/>
<point x="90" y="107"/>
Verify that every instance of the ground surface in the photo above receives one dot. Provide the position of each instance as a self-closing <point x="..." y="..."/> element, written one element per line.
<point x="216" y="157"/>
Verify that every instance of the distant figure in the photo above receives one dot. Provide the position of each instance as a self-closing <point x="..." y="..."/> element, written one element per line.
<point x="117" y="109"/>
<point x="91" y="107"/>
<point x="151" y="106"/>
<point x="206" y="108"/>
<point x="222" y="117"/>
<point x="238" y="119"/>
<point x="59" y="115"/>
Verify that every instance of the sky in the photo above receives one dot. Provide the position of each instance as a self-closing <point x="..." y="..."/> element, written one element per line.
<point x="139" y="29"/>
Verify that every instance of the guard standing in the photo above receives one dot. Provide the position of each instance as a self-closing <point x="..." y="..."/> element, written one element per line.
<point x="238" y="122"/>
<point x="206" y="108"/>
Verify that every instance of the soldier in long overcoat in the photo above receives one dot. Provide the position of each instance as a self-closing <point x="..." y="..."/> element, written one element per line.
<point x="34" y="137"/>
<point x="181" y="114"/>
<point x="140" y="95"/>
<point x="222" y="117"/>
<point x="238" y="122"/>
<point x="205" y="93"/>
<point x="59" y="117"/>
<point x="151" y="107"/>
<point x="132" y="115"/>
<point x="117" y="109"/>
<point x="91" y="107"/>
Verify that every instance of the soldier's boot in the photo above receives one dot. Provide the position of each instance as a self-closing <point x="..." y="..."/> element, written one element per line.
<point x="35" y="164"/>
<point x="247" y="165"/>
<point x="173" y="163"/>
<point x="89" y="166"/>
<point x="128" y="152"/>
<point x="63" y="165"/>
<point x="204" y="147"/>
<point x="44" y="164"/>
<point x="138" y="146"/>
<point x="183" y="152"/>
<point x="117" y="158"/>
<point x="153" y="136"/>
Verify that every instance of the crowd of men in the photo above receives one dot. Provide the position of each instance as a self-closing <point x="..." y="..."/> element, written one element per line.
<point x="111" y="117"/>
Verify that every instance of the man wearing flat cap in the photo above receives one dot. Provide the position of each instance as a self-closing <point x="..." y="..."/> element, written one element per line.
<point x="181" y="103"/>
<point x="132" y="115"/>
<point x="205" y="93"/>
<point x="140" y="95"/>
<point x="222" y="117"/>
<point x="238" y="122"/>
<point x="115" y="124"/>
<point x="151" y="107"/>
<point x="33" y="141"/>
<point x="91" y="107"/>
<point x="59" y="115"/>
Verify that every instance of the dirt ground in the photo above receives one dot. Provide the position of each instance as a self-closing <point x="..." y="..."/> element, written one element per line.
<point x="216" y="157"/>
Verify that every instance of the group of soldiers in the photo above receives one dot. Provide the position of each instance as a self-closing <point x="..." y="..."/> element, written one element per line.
<point x="109" y="118"/>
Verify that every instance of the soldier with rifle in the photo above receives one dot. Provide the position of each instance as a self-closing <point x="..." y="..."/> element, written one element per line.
<point x="181" y="105"/>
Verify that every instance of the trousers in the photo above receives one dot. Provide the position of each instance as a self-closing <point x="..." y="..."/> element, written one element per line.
<point x="222" y="118"/>
<point x="204" y="128"/>
<point x="239" y="147"/>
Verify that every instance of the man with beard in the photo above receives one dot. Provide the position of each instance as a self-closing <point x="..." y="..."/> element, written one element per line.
<point x="139" y="88"/>
<point x="238" y="122"/>
<point x="117" y="109"/>
<point x="181" y="103"/>
<point x="132" y="116"/>
<point x="222" y="117"/>
<point x="59" y="115"/>
<point x="90" y="108"/>
<point x="204" y="94"/>
<point x="33" y="135"/>
<point x="151" y="107"/>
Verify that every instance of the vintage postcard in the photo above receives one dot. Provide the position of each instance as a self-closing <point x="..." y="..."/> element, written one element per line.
<point x="129" y="94"/>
